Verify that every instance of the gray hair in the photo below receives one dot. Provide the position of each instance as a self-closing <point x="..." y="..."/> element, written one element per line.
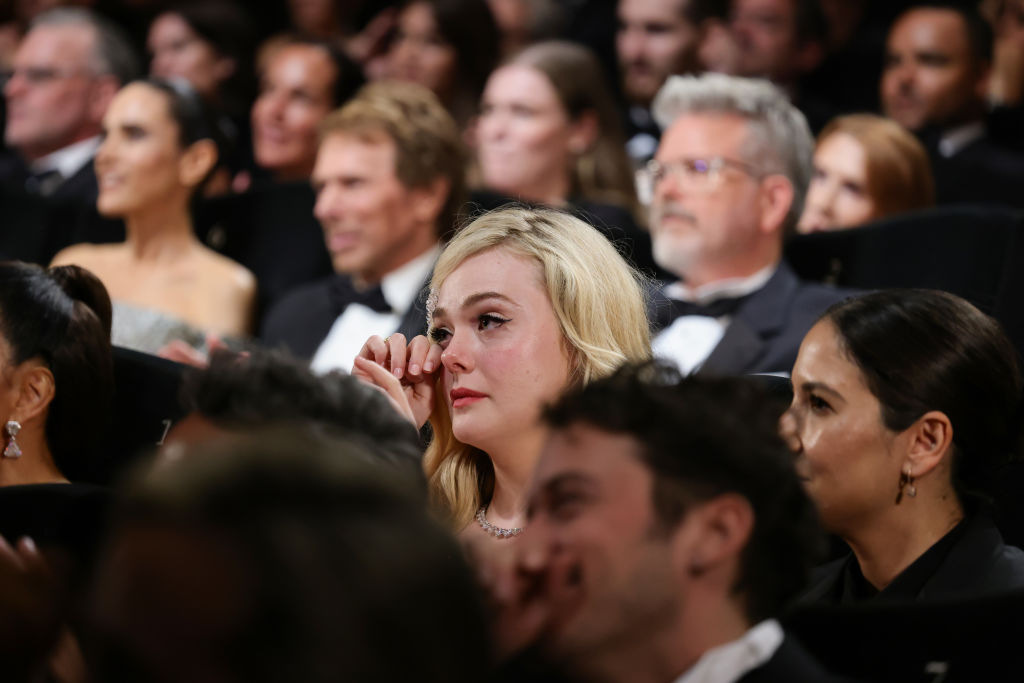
<point x="778" y="140"/>
<point x="112" y="52"/>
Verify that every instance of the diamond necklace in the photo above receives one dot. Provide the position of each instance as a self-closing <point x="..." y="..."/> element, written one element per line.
<point x="496" y="531"/>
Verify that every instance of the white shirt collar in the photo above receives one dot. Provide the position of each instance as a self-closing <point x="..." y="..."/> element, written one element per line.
<point x="730" y="662"/>
<point x="68" y="160"/>
<point x="956" y="139"/>
<point x="732" y="287"/>
<point x="403" y="285"/>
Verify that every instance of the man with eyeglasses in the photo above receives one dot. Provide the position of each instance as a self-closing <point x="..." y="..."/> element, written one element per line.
<point x="728" y="181"/>
<point x="66" y="71"/>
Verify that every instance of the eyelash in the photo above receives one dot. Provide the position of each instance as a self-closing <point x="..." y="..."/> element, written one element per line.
<point x="817" y="403"/>
<point x="486" y="321"/>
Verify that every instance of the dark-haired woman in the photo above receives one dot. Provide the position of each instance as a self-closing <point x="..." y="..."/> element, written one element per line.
<point x="905" y="402"/>
<point x="449" y="46"/>
<point x="157" y="151"/>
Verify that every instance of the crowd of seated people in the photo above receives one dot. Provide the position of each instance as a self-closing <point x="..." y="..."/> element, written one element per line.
<point x="482" y="359"/>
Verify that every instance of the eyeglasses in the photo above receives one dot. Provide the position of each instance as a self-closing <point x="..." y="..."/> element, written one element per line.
<point x="693" y="173"/>
<point x="39" y="75"/>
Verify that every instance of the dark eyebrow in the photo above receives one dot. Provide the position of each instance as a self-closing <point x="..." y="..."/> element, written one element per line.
<point x="553" y="484"/>
<point x="474" y="299"/>
<point x="822" y="388"/>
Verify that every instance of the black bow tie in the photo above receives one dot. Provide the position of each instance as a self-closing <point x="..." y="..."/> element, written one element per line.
<point x="343" y="293"/>
<point x="44" y="182"/>
<point x="676" y="308"/>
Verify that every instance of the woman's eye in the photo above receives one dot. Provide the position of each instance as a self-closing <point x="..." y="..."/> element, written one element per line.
<point x="439" y="335"/>
<point x="488" y="321"/>
<point x="817" y="403"/>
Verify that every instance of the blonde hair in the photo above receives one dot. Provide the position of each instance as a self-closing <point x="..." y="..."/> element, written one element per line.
<point x="899" y="174"/>
<point x="597" y="298"/>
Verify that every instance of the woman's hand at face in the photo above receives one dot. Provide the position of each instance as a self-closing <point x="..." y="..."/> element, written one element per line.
<point x="406" y="373"/>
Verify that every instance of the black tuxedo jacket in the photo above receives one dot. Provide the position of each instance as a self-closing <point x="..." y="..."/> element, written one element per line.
<point x="765" y="332"/>
<point x="791" y="663"/>
<point x="981" y="172"/>
<point x="34" y="228"/>
<point x="301" y="320"/>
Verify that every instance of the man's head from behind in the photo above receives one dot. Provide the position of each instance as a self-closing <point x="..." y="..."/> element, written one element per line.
<point x="937" y="65"/>
<point x="389" y="178"/>
<point x="67" y="69"/>
<point x="656" y="39"/>
<point x="729" y="177"/>
<point x="666" y="504"/>
<point x="280" y="558"/>
<point x="239" y="394"/>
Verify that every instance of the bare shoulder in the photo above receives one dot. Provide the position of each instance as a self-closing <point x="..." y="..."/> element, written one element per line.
<point x="228" y="272"/>
<point x="90" y="256"/>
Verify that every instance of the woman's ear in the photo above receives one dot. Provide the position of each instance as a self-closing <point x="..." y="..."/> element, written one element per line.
<point x="583" y="132"/>
<point x="34" y="390"/>
<point x="196" y="162"/>
<point x="930" y="440"/>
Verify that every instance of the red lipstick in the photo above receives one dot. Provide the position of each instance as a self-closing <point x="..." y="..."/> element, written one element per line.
<point x="463" y="397"/>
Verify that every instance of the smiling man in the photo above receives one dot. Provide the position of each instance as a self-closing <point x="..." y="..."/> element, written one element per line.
<point x="66" y="71"/>
<point x="656" y="39"/>
<point x="389" y="181"/>
<point x="937" y="66"/>
<point x="667" y="527"/>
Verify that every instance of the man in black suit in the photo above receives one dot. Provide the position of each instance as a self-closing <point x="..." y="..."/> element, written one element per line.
<point x="67" y="69"/>
<point x="656" y="39"/>
<point x="389" y="182"/>
<point x="667" y="528"/>
<point x="728" y="181"/>
<point x="935" y="82"/>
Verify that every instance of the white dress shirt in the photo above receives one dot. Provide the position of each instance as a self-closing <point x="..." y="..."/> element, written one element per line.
<point x="68" y="160"/>
<point x="956" y="139"/>
<point x="732" y="661"/>
<point x="690" y="339"/>
<point x="357" y="323"/>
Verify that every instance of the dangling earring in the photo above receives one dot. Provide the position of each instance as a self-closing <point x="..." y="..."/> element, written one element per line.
<point x="13" y="450"/>
<point x="907" y="483"/>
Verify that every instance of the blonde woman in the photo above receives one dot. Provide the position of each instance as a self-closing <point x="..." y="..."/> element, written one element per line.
<point x="524" y="303"/>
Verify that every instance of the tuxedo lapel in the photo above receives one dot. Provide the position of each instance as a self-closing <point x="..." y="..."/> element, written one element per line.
<point x="414" y="321"/>
<point x="761" y="315"/>
<point x="739" y="347"/>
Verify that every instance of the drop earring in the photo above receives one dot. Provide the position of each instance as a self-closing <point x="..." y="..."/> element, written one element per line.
<point x="906" y="485"/>
<point x="13" y="450"/>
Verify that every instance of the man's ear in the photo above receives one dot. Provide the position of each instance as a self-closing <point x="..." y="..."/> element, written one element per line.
<point x="103" y="90"/>
<point x="929" y="441"/>
<point x="196" y="162"/>
<point x="983" y="81"/>
<point x="224" y="67"/>
<point x="717" y="531"/>
<point x="427" y="202"/>
<point x="809" y="56"/>
<point x="34" y="390"/>
<point x="775" y="201"/>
